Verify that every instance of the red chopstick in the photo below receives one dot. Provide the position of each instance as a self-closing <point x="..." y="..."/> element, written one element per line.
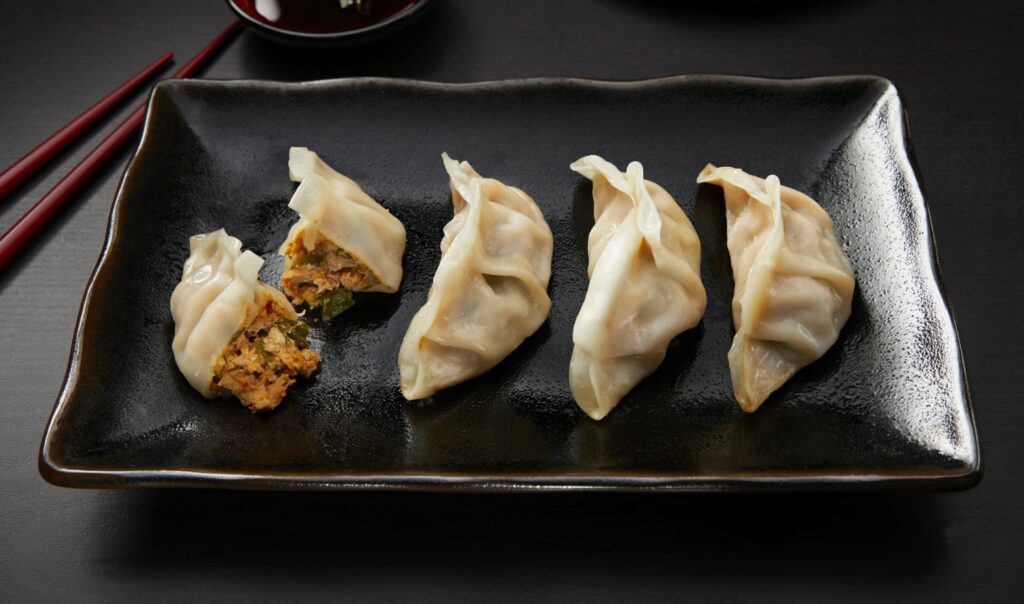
<point x="20" y="170"/>
<point x="40" y="214"/>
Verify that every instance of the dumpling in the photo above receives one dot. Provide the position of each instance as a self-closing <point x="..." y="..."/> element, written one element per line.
<point x="490" y="289"/>
<point x="645" y="285"/>
<point x="344" y="241"/>
<point x="232" y="333"/>
<point x="794" y="284"/>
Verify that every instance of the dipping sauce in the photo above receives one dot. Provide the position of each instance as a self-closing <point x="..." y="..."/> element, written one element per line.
<point x="323" y="16"/>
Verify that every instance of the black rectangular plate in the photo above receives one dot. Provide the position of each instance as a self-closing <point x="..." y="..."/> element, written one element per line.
<point x="887" y="407"/>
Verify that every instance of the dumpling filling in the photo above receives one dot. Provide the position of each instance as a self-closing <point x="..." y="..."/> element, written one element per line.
<point x="324" y="276"/>
<point x="263" y="359"/>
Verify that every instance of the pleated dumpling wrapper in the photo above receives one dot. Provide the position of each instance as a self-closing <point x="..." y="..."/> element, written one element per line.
<point x="232" y="333"/>
<point x="794" y="284"/>
<point x="490" y="289"/>
<point x="645" y="286"/>
<point x="344" y="241"/>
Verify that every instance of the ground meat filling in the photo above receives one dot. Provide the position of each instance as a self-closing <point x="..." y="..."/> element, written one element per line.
<point x="317" y="274"/>
<point x="262" y="360"/>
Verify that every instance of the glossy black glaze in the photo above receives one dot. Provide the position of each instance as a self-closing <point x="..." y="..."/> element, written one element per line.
<point x="886" y="407"/>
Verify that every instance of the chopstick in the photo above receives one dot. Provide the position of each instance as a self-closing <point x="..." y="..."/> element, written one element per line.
<point x="25" y="167"/>
<point x="22" y="231"/>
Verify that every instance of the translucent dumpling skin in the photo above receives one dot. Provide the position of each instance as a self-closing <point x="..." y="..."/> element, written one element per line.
<point x="645" y="287"/>
<point x="490" y="289"/>
<point x="794" y="284"/>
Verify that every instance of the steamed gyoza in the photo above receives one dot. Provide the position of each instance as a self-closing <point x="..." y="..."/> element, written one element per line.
<point x="794" y="284"/>
<point x="344" y="241"/>
<point x="645" y="285"/>
<point x="490" y="289"/>
<point x="232" y="333"/>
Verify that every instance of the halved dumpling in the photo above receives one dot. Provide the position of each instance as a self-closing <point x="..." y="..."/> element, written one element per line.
<point x="344" y="241"/>
<point x="234" y="335"/>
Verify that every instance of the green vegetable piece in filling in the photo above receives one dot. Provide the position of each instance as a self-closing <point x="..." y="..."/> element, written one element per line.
<point x="314" y="259"/>
<point x="297" y="333"/>
<point x="267" y="357"/>
<point x="335" y="303"/>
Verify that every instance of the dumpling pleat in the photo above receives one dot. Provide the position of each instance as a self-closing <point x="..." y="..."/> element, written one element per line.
<point x="218" y="293"/>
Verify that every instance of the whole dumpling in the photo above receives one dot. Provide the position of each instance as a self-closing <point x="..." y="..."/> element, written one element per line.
<point x="645" y="285"/>
<point x="232" y="333"/>
<point x="490" y="289"/>
<point x="344" y="241"/>
<point x="794" y="284"/>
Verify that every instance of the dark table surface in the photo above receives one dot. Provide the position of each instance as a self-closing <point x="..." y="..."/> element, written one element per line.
<point x="958" y="66"/>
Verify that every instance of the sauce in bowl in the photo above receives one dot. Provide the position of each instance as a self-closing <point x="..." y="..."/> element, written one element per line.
<point x="325" y="21"/>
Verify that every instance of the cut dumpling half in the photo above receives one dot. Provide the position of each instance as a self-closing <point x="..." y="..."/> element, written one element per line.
<point x="234" y="335"/>
<point x="344" y="241"/>
<point x="490" y="289"/>
<point x="645" y="287"/>
<point x="794" y="284"/>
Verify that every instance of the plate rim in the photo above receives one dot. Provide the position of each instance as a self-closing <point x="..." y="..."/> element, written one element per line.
<point x="60" y="474"/>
